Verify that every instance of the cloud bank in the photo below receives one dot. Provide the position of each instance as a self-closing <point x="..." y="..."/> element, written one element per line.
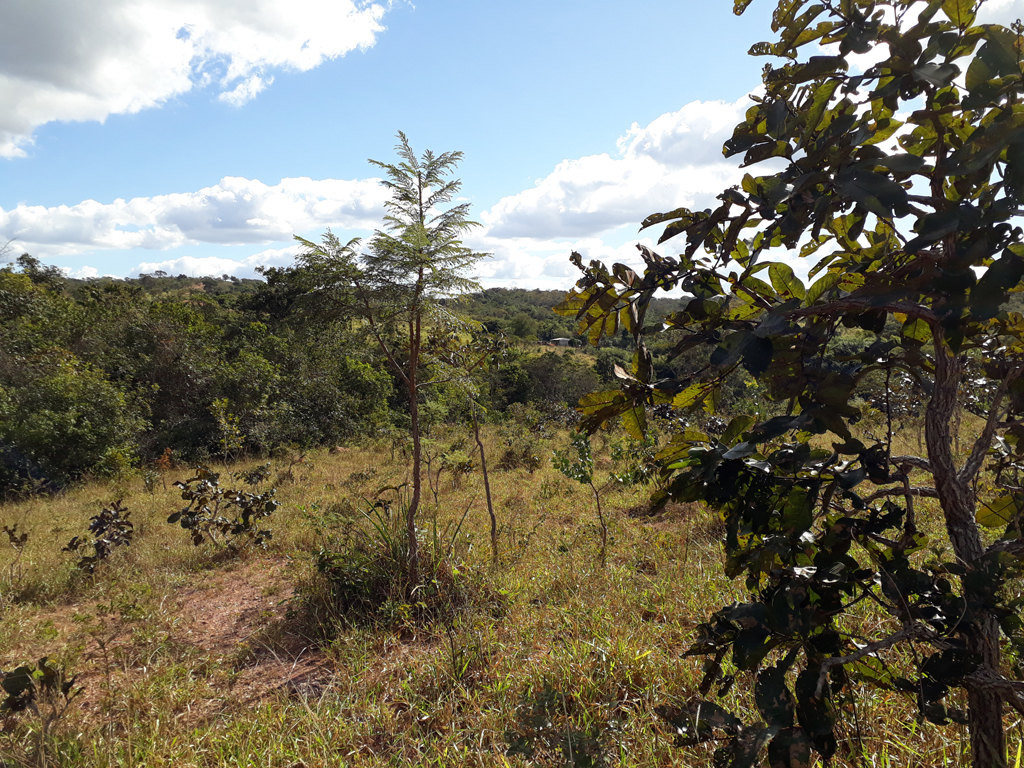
<point x="675" y="160"/>
<point x="77" y="60"/>
<point x="592" y="204"/>
<point x="236" y="211"/>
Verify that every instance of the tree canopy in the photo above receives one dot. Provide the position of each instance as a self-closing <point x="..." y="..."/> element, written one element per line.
<point x="903" y="182"/>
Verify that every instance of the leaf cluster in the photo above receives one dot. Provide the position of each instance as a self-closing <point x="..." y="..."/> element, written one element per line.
<point x="27" y="686"/>
<point x="903" y="182"/>
<point x="110" y="529"/>
<point x="223" y="516"/>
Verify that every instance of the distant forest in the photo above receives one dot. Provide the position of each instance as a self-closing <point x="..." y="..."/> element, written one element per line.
<point x="102" y="375"/>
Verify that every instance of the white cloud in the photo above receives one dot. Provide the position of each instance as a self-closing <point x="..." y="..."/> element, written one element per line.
<point x="235" y="211"/>
<point x="591" y="204"/>
<point x="674" y="161"/>
<point x="1003" y="12"/>
<point x="201" y="266"/>
<point x="84" y="273"/>
<point x="87" y="59"/>
<point x="245" y="91"/>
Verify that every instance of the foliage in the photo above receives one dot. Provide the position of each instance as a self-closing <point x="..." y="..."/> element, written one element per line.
<point x="907" y="177"/>
<point x="397" y="284"/>
<point x="223" y="516"/>
<point x="544" y="728"/>
<point x="110" y="529"/>
<point x="577" y="463"/>
<point x="60" y="418"/>
<point x="45" y="691"/>
<point x="638" y="459"/>
<point x="370" y="580"/>
<point x="27" y="686"/>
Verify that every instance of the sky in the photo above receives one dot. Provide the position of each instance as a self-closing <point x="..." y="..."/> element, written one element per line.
<point x="199" y="136"/>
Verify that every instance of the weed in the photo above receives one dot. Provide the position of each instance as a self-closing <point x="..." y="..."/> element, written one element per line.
<point x="545" y="728"/>
<point x="45" y="691"/>
<point x="15" y="571"/>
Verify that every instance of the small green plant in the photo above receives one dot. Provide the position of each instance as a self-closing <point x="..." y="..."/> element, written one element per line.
<point x="577" y="463"/>
<point x="254" y="477"/>
<point x="638" y="460"/>
<point x="150" y="478"/>
<point x="110" y="529"/>
<point x="369" y="579"/>
<point x="544" y="730"/>
<point x="44" y="690"/>
<point x="223" y="516"/>
<point x="522" y="449"/>
<point x="15" y="572"/>
<point x="232" y="439"/>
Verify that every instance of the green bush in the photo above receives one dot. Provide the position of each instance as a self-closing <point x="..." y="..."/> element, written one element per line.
<point x="368" y="578"/>
<point x="61" y="418"/>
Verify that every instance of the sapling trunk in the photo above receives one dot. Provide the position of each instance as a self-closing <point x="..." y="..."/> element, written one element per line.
<point x="604" y="527"/>
<point x="487" y="491"/>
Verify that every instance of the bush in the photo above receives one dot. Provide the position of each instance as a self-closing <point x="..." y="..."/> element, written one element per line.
<point x="223" y="516"/>
<point x="368" y="581"/>
<point x="61" y="418"/>
<point x="110" y="529"/>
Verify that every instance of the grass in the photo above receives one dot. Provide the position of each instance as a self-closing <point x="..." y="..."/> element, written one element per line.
<point x="194" y="657"/>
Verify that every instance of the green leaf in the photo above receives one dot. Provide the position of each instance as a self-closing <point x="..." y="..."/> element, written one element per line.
<point x="960" y="12"/>
<point x="773" y="698"/>
<point x="798" y="513"/>
<point x="878" y="194"/>
<point x="916" y="332"/>
<point x="786" y="283"/>
<point x="985" y="144"/>
<point x="634" y="421"/>
<point x="871" y="669"/>
<point x="818" y="288"/>
<point x="901" y="163"/>
<point x="992" y="290"/>
<point x="1001" y="511"/>
<point x="995" y="59"/>
<point x="692" y="394"/>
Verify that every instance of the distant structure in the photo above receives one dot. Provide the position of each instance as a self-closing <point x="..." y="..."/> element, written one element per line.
<point x="561" y="342"/>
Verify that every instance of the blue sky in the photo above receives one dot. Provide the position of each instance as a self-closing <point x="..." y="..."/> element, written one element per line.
<point x="197" y="136"/>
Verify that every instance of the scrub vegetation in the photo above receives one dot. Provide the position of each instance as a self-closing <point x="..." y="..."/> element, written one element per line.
<point x="770" y="521"/>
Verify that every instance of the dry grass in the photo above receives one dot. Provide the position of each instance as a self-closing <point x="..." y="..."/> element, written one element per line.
<point x="191" y="657"/>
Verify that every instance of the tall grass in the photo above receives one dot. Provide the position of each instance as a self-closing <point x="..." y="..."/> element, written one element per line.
<point x="452" y="682"/>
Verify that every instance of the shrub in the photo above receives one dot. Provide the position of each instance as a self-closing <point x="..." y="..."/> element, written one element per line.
<point x="44" y="690"/>
<point x="110" y="529"/>
<point x="369" y="579"/>
<point x="223" y="516"/>
<point x="61" y="418"/>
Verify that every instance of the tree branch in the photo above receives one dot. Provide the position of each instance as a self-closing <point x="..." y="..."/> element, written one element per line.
<point x="929" y="493"/>
<point x="1013" y="547"/>
<point x="853" y="304"/>
<point x="984" y="441"/>
<point x="914" y="461"/>
<point x="913" y="632"/>
<point x="376" y="334"/>
<point x="1009" y="690"/>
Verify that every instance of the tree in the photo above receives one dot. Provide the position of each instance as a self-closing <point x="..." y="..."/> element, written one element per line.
<point x="915" y="219"/>
<point x="398" y="285"/>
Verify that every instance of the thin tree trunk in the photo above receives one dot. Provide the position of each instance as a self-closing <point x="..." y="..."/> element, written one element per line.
<point x="417" y="482"/>
<point x="984" y="705"/>
<point x="487" y="491"/>
<point x="604" y="528"/>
